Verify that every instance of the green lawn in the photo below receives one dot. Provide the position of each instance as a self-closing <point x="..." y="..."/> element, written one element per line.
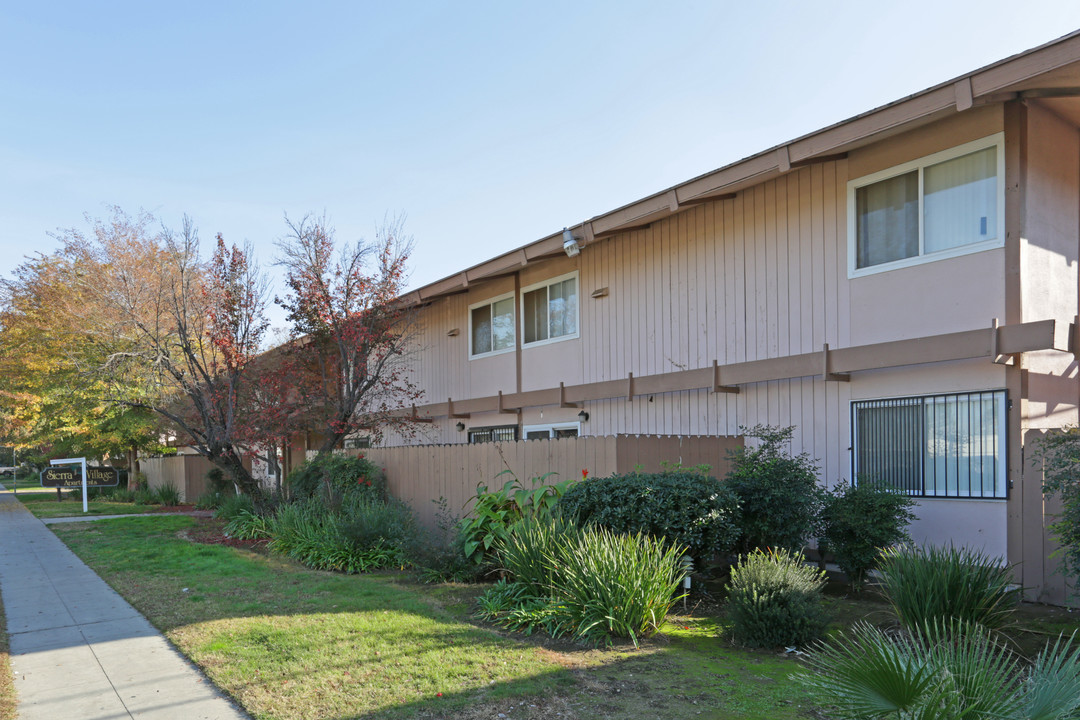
<point x="44" y="505"/>
<point x="288" y="642"/>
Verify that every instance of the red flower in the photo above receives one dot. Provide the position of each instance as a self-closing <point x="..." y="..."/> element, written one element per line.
<point x="438" y="694"/>
<point x="361" y="456"/>
<point x="584" y="474"/>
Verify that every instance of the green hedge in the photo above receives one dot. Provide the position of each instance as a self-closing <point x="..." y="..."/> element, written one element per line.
<point x="686" y="508"/>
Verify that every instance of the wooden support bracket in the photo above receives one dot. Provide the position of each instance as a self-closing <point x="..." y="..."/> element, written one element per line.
<point x="629" y="387"/>
<point x="995" y="356"/>
<point x="1074" y="336"/>
<point x="417" y="418"/>
<point x="562" y="399"/>
<point x="717" y="386"/>
<point x="450" y="410"/>
<point x="505" y="410"/>
<point x="826" y="371"/>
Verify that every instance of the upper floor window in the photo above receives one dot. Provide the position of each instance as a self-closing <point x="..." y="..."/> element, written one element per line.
<point x="556" y="431"/>
<point x="943" y="205"/>
<point x="491" y="326"/>
<point x="549" y="310"/>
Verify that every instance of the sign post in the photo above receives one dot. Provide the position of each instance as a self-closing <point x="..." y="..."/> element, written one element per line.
<point x="72" y="461"/>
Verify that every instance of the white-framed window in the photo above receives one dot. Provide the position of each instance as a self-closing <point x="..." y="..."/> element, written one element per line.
<point x="946" y="446"/>
<point x="943" y="205"/>
<point x="549" y="310"/>
<point x="554" y="430"/>
<point x="491" y="326"/>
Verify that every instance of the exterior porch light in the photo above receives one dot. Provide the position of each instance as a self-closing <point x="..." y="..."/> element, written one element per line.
<point x="583" y="416"/>
<point x="570" y="244"/>
<point x="460" y="426"/>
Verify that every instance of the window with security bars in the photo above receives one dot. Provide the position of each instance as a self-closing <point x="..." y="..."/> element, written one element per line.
<point x="949" y="446"/>
<point x="503" y="433"/>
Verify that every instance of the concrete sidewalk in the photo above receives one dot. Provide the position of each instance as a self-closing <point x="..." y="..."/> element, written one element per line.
<point x="78" y="649"/>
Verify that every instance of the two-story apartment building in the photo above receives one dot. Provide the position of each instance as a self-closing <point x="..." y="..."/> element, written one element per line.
<point x="901" y="287"/>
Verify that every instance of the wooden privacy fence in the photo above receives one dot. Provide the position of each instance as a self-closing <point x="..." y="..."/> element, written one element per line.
<point x="421" y="474"/>
<point x="187" y="473"/>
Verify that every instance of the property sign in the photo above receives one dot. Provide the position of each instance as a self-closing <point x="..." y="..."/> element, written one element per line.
<point x="61" y="476"/>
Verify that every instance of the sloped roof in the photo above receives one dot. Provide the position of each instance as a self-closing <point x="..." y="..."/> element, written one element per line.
<point x="1050" y="73"/>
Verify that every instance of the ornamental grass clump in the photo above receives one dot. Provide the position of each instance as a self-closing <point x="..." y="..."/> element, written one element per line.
<point x="926" y="584"/>
<point x="362" y="535"/>
<point x="774" y="599"/>
<point x="591" y="584"/>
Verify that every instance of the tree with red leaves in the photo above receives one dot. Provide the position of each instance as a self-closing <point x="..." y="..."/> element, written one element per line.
<point x="345" y="367"/>
<point x="178" y="335"/>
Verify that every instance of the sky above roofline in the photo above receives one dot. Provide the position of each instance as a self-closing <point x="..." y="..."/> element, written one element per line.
<point x="488" y="125"/>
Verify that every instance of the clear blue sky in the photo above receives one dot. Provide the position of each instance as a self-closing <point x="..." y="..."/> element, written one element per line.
<point x="489" y="124"/>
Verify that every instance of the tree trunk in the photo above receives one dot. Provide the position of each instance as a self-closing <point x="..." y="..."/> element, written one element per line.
<point x="233" y="467"/>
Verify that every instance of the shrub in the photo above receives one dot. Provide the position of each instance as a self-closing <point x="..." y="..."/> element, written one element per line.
<point x="930" y="584"/>
<point x="494" y="511"/>
<point x="1060" y="453"/>
<point x="941" y="670"/>
<point x="440" y="554"/>
<point x="529" y="552"/>
<point x="233" y="505"/>
<point x="774" y="598"/>
<point x="619" y="585"/>
<point x="209" y="500"/>
<point x="366" y="535"/>
<point x="335" y="475"/>
<point x="856" y="522"/>
<point x="684" y="507"/>
<point x="778" y="494"/>
<point x="144" y="496"/>
<point x="591" y="584"/>
<point x="167" y="494"/>
<point x="217" y="484"/>
<point x="248" y="525"/>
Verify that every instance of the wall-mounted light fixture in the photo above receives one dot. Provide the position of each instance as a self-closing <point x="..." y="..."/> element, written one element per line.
<point x="602" y="292"/>
<point x="460" y="426"/>
<point x="452" y="333"/>
<point x="570" y="244"/>
<point x="583" y="416"/>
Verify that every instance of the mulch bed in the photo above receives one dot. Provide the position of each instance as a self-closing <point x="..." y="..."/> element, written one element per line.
<point x="209" y="531"/>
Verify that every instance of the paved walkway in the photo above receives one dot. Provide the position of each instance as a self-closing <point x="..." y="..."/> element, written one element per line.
<point x="78" y="650"/>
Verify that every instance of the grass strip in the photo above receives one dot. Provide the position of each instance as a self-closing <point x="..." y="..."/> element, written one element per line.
<point x="291" y="643"/>
<point x="44" y="506"/>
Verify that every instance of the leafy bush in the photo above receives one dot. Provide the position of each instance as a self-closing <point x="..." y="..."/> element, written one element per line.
<point x="494" y="511"/>
<point x="943" y="670"/>
<point x="218" y="484"/>
<point x="929" y="584"/>
<point x="167" y="494"/>
<point x="1060" y="453"/>
<point x="364" y="535"/>
<point x="333" y="475"/>
<point x="592" y="584"/>
<point x="857" y="522"/>
<point x="778" y="493"/>
<point x="684" y="507"/>
<point x="774" y="598"/>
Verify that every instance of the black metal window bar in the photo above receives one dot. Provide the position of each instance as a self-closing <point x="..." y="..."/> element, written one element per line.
<point x="502" y="433"/>
<point x="932" y="446"/>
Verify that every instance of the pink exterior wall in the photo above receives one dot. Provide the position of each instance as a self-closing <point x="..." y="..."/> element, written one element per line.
<point x="765" y="275"/>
